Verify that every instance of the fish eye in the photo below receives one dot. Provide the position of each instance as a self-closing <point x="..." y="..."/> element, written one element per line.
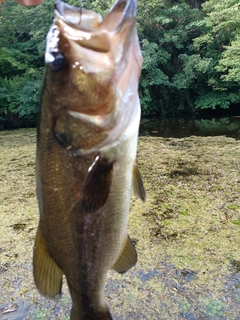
<point x="58" y="63"/>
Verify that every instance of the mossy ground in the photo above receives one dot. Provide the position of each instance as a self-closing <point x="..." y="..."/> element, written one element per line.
<point x="187" y="234"/>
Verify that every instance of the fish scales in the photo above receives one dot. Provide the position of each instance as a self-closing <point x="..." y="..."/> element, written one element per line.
<point x="86" y="154"/>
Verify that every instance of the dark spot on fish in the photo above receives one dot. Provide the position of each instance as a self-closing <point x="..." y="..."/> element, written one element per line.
<point x="97" y="185"/>
<point x="59" y="63"/>
<point x="63" y="140"/>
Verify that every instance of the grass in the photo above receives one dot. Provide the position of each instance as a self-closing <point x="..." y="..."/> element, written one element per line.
<point x="187" y="234"/>
<point x="195" y="201"/>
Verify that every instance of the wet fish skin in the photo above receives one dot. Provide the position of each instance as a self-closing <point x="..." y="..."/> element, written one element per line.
<point x="86" y="151"/>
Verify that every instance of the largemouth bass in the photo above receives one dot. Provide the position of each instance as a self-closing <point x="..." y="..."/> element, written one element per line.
<point x="86" y="154"/>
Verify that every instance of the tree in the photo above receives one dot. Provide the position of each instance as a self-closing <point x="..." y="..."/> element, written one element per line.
<point x="220" y="43"/>
<point x="190" y="52"/>
<point x="22" y="47"/>
<point x="166" y="34"/>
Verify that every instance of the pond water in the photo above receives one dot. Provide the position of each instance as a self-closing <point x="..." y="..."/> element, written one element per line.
<point x="228" y="126"/>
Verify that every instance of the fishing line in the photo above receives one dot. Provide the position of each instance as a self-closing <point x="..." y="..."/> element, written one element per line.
<point x="80" y="1"/>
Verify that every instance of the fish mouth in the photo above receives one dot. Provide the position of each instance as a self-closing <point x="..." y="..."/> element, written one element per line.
<point x="89" y="30"/>
<point x="79" y="18"/>
<point x="86" y="20"/>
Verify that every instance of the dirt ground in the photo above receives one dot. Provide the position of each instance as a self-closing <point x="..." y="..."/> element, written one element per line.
<point x="187" y="234"/>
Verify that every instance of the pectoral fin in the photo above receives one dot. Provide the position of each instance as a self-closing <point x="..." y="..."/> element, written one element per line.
<point x="97" y="184"/>
<point x="46" y="272"/>
<point x="127" y="258"/>
<point x="137" y="182"/>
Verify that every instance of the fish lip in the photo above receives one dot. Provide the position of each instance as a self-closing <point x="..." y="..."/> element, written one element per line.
<point x="61" y="8"/>
<point x="77" y="17"/>
<point x="130" y="10"/>
<point x="64" y="11"/>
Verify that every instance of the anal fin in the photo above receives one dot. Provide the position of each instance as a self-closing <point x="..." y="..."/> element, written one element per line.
<point x="46" y="272"/>
<point x="137" y="183"/>
<point x="127" y="258"/>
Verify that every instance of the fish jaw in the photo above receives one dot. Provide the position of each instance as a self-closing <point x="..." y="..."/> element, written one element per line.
<point x="88" y="20"/>
<point x="97" y="87"/>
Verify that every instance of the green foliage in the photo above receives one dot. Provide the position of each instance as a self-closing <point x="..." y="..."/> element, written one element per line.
<point x="220" y="43"/>
<point x="22" y="45"/>
<point x="193" y="68"/>
<point x="215" y="308"/>
<point x="152" y="75"/>
<point x="214" y="99"/>
<point x="214" y="126"/>
<point x="166" y="33"/>
<point x="9" y="63"/>
<point x="229" y="64"/>
<point x="191" y="59"/>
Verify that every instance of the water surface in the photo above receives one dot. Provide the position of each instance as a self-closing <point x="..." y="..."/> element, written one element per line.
<point x="180" y="128"/>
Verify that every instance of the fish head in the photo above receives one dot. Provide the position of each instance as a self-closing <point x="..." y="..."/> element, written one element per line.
<point x="92" y="71"/>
